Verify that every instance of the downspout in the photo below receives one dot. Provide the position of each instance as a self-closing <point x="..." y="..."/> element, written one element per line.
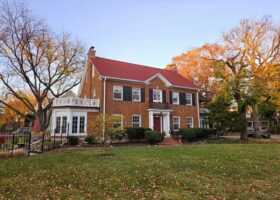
<point x="198" y="114"/>
<point x="104" y="107"/>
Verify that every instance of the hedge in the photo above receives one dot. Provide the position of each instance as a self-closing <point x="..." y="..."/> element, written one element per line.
<point x="192" y="134"/>
<point x="153" y="137"/>
<point x="136" y="133"/>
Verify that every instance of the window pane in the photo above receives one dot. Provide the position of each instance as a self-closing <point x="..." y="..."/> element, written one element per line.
<point x="188" y="98"/>
<point x="117" y="92"/>
<point x="74" y="124"/>
<point x="57" y="127"/>
<point x="175" y="98"/>
<point x="157" y="95"/>
<point x="189" y="122"/>
<point x="135" y="121"/>
<point x="82" y="125"/>
<point x="136" y="94"/>
<point x="117" y="121"/>
<point x="64" y="124"/>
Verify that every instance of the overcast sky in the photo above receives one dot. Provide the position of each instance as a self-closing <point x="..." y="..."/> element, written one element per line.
<point x="149" y="32"/>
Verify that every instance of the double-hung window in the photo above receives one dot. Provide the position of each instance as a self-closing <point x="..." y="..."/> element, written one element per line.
<point x="82" y="124"/>
<point x="136" y="94"/>
<point x="136" y="121"/>
<point x="64" y="124"/>
<point x="118" y="120"/>
<point x="190" y="122"/>
<point x="175" y="97"/>
<point x="57" y="126"/>
<point x="188" y="99"/>
<point x="75" y="124"/>
<point x="117" y="92"/>
<point x="176" y="123"/>
<point x="157" y="96"/>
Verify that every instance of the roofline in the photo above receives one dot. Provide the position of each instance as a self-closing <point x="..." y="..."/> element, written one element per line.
<point x="144" y="82"/>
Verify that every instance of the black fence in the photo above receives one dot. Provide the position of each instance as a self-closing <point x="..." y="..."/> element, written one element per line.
<point x="28" y="142"/>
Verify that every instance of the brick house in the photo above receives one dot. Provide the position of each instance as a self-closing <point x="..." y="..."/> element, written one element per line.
<point x="140" y="96"/>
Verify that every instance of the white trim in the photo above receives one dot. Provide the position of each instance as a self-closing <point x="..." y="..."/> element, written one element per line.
<point x="158" y="75"/>
<point x="189" y="104"/>
<point x="104" y="108"/>
<point x="139" y="120"/>
<point x="121" y="92"/>
<point x="179" y="123"/>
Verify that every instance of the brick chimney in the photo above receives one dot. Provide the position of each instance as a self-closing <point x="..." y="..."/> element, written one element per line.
<point x="91" y="53"/>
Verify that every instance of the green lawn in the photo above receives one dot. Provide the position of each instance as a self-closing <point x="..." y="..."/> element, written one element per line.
<point x="232" y="171"/>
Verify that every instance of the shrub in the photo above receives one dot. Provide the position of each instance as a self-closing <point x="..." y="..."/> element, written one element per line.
<point x="90" y="139"/>
<point x="192" y="134"/>
<point x="136" y="133"/>
<point x="73" y="140"/>
<point x="188" y="134"/>
<point x="118" y="136"/>
<point x="2" y="139"/>
<point x="153" y="137"/>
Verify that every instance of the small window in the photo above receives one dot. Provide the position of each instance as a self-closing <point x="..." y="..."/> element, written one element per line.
<point x="189" y="122"/>
<point x="135" y="94"/>
<point x="118" y="120"/>
<point x="157" y="96"/>
<point x="175" y="97"/>
<point x="64" y="124"/>
<point x="188" y="99"/>
<point x="176" y="123"/>
<point x="136" y="121"/>
<point x="74" y="124"/>
<point x="82" y="125"/>
<point x="117" y="92"/>
<point x="57" y="126"/>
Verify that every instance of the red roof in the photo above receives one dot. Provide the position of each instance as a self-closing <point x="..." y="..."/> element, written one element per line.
<point x="135" y="72"/>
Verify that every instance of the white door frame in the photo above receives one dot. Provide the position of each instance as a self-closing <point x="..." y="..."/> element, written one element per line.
<point x="165" y="120"/>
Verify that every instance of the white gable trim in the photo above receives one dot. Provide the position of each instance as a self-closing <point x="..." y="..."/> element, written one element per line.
<point x="158" y="75"/>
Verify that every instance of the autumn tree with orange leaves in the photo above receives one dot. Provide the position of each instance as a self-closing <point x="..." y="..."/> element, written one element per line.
<point x="245" y="65"/>
<point x="201" y="71"/>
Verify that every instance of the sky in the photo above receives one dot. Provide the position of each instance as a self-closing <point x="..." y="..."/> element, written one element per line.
<point x="149" y="32"/>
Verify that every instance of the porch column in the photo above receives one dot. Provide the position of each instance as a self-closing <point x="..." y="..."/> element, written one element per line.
<point x="151" y="120"/>
<point x="166" y="124"/>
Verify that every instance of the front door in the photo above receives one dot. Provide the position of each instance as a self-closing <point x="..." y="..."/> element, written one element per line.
<point x="157" y="124"/>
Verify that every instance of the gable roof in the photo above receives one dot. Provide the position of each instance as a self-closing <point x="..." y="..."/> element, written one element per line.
<point x="134" y="72"/>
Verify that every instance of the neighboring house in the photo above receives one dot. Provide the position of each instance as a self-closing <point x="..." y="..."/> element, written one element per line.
<point x="139" y="96"/>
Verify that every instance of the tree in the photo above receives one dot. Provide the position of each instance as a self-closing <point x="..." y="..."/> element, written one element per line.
<point x="256" y="44"/>
<point x="34" y="59"/>
<point x="200" y="71"/>
<point x="103" y="126"/>
<point x="220" y="114"/>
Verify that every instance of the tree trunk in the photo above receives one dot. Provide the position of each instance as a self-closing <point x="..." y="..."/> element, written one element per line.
<point x="256" y="120"/>
<point x="243" y="131"/>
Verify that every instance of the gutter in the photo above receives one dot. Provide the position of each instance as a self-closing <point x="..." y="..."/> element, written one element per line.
<point x="104" y="106"/>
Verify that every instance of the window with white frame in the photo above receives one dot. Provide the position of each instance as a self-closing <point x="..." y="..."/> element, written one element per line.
<point x="57" y="125"/>
<point x="136" y="94"/>
<point x="136" y="121"/>
<point x="117" y="92"/>
<point x="175" y="97"/>
<point x="64" y="124"/>
<point x="118" y="120"/>
<point x="157" y="96"/>
<point x="188" y="99"/>
<point x="176" y="123"/>
<point x="74" y="124"/>
<point x="190" y="122"/>
<point x="82" y="124"/>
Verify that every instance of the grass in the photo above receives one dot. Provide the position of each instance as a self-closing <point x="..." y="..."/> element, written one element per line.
<point x="215" y="171"/>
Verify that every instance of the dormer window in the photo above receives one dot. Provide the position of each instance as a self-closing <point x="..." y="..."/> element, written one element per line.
<point x="157" y="96"/>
